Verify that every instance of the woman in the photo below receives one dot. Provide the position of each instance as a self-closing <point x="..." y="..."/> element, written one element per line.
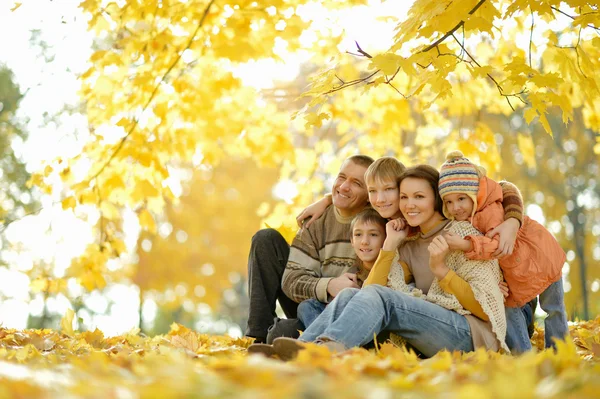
<point x="442" y="312"/>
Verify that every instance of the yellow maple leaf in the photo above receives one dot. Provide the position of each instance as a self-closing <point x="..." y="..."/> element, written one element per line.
<point x="66" y="323"/>
<point x="147" y="221"/>
<point x="69" y="203"/>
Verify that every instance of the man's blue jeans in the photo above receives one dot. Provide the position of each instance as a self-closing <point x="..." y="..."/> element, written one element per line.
<point x="355" y="316"/>
<point x="309" y="310"/>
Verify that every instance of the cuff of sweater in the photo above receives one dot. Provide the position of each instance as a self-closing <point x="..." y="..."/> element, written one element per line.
<point x="445" y="282"/>
<point x="514" y="215"/>
<point x="321" y="290"/>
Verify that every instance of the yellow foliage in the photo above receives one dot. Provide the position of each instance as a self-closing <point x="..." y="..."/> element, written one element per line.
<point x="186" y="363"/>
<point x="66" y="323"/>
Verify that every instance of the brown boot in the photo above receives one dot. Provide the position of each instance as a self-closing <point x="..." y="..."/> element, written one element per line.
<point x="287" y="348"/>
<point x="262" y="349"/>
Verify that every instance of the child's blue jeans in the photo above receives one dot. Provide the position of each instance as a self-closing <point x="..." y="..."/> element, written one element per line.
<point x="555" y="325"/>
<point x="309" y="310"/>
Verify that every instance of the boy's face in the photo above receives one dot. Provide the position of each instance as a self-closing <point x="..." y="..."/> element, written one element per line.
<point x="460" y="206"/>
<point x="367" y="240"/>
<point x="384" y="198"/>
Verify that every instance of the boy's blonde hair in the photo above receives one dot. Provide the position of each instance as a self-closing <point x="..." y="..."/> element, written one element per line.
<point x="384" y="169"/>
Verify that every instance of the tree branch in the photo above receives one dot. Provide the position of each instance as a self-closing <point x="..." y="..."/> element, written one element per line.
<point x="572" y="17"/>
<point x="451" y="32"/>
<point x="164" y="77"/>
<point x="531" y="36"/>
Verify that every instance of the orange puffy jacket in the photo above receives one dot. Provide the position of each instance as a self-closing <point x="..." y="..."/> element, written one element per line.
<point x="537" y="258"/>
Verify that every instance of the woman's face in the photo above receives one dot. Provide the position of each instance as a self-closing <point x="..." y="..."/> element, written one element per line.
<point x="417" y="203"/>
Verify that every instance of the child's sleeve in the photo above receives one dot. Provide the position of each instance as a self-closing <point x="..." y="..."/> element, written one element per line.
<point x="381" y="269"/>
<point x="483" y="247"/>
<point x="512" y="201"/>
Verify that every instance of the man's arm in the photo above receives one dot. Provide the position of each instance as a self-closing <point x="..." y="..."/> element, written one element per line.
<point x="302" y="276"/>
<point x="512" y="201"/>
<point x="513" y="219"/>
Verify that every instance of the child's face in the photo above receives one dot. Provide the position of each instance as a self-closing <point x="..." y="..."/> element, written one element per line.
<point x="367" y="240"/>
<point x="384" y="198"/>
<point x="460" y="206"/>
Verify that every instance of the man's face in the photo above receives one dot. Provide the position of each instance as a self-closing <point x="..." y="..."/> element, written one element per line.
<point x="349" y="192"/>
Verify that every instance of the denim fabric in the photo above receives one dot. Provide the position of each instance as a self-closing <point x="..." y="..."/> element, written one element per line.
<point x="355" y="316"/>
<point x="266" y="263"/>
<point x="309" y="310"/>
<point x="517" y="337"/>
<point x="552" y="302"/>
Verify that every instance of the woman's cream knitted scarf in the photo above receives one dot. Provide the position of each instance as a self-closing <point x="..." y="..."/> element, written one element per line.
<point x="482" y="276"/>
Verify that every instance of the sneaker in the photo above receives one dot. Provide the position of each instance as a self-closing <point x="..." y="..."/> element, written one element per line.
<point x="262" y="349"/>
<point x="287" y="348"/>
<point x="284" y="328"/>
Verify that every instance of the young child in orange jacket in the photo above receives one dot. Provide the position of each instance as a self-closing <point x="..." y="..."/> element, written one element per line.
<point x="535" y="266"/>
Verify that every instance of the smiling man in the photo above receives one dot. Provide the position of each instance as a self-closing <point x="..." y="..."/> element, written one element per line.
<point x="317" y="263"/>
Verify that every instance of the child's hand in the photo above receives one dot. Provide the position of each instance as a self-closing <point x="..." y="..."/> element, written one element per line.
<point x="438" y="249"/>
<point x="456" y="242"/>
<point x="396" y="231"/>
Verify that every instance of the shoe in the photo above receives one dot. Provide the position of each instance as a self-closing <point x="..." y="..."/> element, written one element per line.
<point x="287" y="348"/>
<point x="257" y="340"/>
<point x="284" y="328"/>
<point x="262" y="349"/>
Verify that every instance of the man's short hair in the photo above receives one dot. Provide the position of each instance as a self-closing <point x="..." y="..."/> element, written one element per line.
<point x="361" y="160"/>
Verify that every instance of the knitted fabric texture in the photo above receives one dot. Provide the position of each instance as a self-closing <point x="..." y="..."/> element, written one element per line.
<point x="482" y="276"/>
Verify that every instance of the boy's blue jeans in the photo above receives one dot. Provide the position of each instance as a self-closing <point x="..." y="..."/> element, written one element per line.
<point x="355" y="316"/>
<point x="309" y="310"/>
<point x="555" y="325"/>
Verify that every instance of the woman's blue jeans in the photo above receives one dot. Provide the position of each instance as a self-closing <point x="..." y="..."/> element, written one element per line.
<point x="355" y="316"/>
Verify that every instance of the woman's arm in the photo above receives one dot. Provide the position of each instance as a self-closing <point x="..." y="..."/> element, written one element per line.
<point x="381" y="269"/>
<point x="396" y="231"/>
<point x="450" y="281"/>
<point x="458" y="287"/>
<point x="313" y="211"/>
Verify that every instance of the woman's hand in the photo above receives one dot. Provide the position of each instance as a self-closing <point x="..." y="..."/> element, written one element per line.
<point x="438" y="249"/>
<point x="507" y="231"/>
<point x="456" y="242"/>
<point x="313" y="211"/>
<point x="396" y="231"/>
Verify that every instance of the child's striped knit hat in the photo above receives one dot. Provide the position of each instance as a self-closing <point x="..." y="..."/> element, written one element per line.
<point x="458" y="175"/>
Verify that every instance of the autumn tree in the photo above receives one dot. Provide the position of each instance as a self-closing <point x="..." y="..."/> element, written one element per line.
<point x="16" y="199"/>
<point x="163" y="91"/>
<point x="201" y="250"/>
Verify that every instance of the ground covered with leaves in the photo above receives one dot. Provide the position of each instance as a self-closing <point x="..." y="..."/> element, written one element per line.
<point x="183" y="363"/>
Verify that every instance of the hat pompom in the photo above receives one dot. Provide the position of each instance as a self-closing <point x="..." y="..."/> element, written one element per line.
<point x="454" y="155"/>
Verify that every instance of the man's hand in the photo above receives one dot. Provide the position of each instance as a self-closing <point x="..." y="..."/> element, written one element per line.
<point x="438" y="249"/>
<point x="313" y="212"/>
<point x="346" y="280"/>
<point x="456" y="242"/>
<point x="507" y="231"/>
<point x="503" y="289"/>
<point x="396" y="231"/>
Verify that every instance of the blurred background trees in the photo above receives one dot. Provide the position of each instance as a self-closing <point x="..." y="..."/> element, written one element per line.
<point x="197" y="134"/>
